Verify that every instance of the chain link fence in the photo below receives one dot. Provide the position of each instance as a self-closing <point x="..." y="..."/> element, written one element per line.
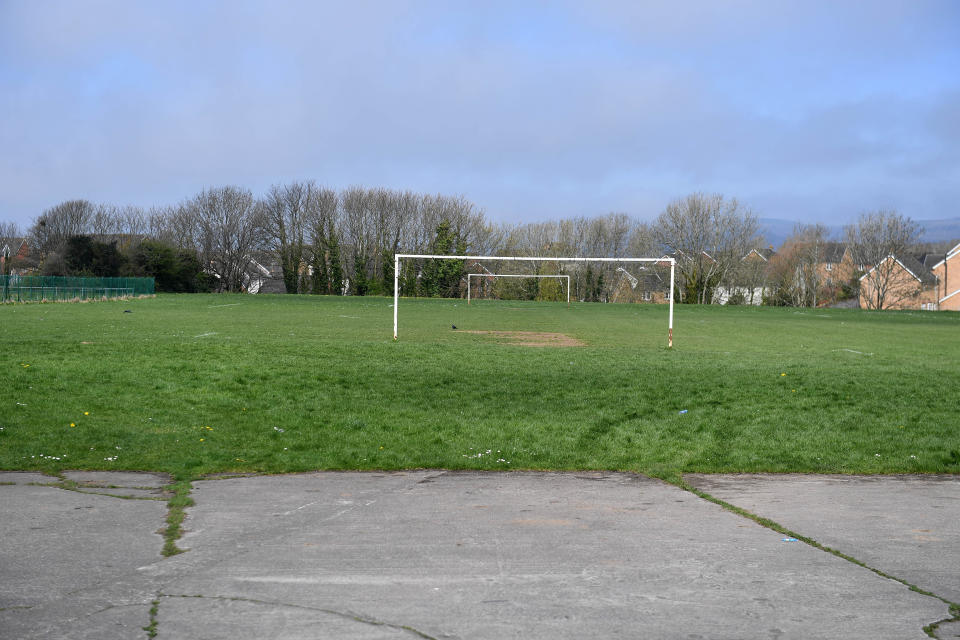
<point x="57" y="288"/>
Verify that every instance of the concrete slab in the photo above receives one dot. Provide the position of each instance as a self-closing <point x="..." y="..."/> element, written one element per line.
<point x="906" y="526"/>
<point x="26" y="477"/>
<point x="68" y="563"/>
<point x="433" y="554"/>
<point x="119" y="478"/>
<point x="518" y="555"/>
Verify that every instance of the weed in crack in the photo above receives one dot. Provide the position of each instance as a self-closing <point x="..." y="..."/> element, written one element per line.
<point x="931" y="629"/>
<point x="151" y="628"/>
<point x="176" y="512"/>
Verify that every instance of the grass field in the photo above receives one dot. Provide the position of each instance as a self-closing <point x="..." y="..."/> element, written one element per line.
<point x="204" y="383"/>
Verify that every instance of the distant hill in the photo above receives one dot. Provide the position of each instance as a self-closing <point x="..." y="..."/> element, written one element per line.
<point x="775" y="231"/>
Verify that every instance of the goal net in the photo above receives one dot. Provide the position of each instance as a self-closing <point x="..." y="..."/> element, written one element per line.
<point x="649" y="280"/>
<point x="519" y="286"/>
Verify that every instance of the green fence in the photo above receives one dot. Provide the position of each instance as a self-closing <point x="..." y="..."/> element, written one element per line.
<point x="40" y="288"/>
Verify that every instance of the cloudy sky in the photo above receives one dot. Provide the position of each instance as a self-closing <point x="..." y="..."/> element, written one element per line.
<point x="805" y="110"/>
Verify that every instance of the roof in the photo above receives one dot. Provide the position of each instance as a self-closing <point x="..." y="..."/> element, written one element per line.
<point x="951" y="253"/>
<point x="13" y="242"/>
<point x="15" y="245"/>
<point x="929" y="260"/>
<point x="833" y="252"/>
<point x="912" y="265"/>
<point x="764" y="254"/>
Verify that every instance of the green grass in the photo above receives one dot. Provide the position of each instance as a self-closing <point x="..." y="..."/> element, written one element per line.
<point x="193" y="384"/>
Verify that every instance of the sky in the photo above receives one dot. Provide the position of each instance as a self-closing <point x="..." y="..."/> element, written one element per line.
<point x="808" y="111"/>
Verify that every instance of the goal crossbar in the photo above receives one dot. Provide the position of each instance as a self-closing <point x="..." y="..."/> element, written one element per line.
<point x="517" y="275"/>
<point x="399" y="256"/>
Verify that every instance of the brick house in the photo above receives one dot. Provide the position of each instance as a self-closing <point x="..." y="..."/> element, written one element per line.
<point x="898" y="283"/>
<point x="947" y="272"/>
<point x="836" y="266"/>
<point x="14" y="256"/>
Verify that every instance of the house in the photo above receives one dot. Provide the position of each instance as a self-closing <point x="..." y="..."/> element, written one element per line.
<point x="747" y="284"/>
<point x="835" y="266"/>
<point x="649" y="285"/>
<point x="14" y="256"/>
<point x="947" y="272"/>
<point x="899" y="282"/>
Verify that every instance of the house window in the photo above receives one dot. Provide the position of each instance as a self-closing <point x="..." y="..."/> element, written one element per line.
<point x="829" y="266"/>
<point x="646" y="296"/>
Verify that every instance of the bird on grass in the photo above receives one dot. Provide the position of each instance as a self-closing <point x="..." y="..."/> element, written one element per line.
<point x="454" y="327"/>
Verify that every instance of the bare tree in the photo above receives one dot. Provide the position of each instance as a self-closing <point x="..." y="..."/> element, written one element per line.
<point x="708" y="236"/>
<point x="796" y="268"/>
<point x="52" y="229"/>
<point x="229" y="231"/>
<point x="10" y="230"/>
<point x="288" y="210"/>
<point x="104" y="222"/>
<point x="877" y="239"/>
<point x="324" y="227"/>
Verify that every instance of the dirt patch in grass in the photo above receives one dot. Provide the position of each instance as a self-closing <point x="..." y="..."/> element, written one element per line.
<point x="533" y="338"/>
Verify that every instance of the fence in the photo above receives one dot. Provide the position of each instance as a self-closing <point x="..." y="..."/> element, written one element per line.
<point x="52" y="288"/>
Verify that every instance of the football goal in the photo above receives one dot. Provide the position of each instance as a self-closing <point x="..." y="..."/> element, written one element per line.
<point x="664" y="261"/>
<point x="494" y="276"/>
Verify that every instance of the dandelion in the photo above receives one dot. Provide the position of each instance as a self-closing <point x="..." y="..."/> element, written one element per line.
<point x="782" y="375"/>
<point x="202" y="439"/>
<point x="86" y="413"/>
<point x="73" y="424"/>
<point x="381" y="448"/>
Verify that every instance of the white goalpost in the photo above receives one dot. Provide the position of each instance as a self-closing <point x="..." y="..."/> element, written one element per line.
<point x="517" y="275"/>
<point x="400" y="256"/>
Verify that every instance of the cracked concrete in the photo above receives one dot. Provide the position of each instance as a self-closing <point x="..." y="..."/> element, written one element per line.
<point x="906" y="526"/>
<point x="435" y="554"/>
<point x="69" y="559"/>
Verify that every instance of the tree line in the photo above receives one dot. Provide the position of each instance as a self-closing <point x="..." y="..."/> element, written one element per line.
<point x="343" y="242"/>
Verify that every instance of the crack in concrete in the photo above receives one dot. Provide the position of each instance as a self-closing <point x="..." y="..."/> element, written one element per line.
<point x="430" y="478"/>
<point x="77" y="487"/>
<point x="347" y="615"/>
<point x="930" y="629"/>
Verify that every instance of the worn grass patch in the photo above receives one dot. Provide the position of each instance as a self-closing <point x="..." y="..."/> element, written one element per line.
<point x="192" y="384"/>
